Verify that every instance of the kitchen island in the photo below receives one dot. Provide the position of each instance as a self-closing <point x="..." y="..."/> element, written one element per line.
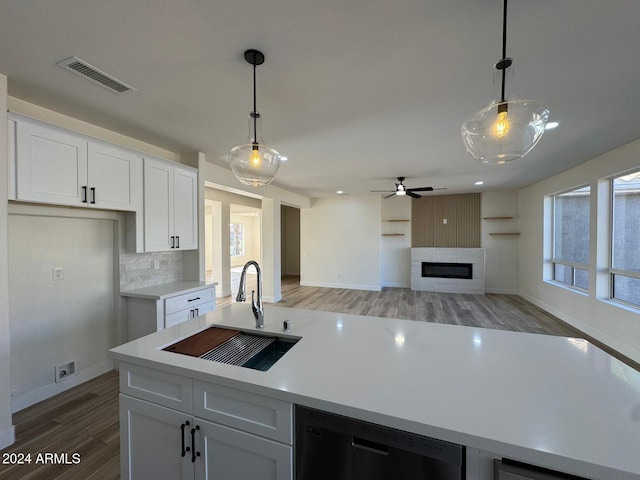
<point x="554" y="402"/>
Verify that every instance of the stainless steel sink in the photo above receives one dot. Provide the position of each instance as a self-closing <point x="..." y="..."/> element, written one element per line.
<point x="256" y="351"/>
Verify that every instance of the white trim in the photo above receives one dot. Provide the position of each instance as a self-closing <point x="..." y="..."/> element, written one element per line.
<point x="47" y="391"/>
<point x="397" y="285"/>
<point x="620" y="347"/>
<point x="372" y="288"/>
<point x="7" y="437"/>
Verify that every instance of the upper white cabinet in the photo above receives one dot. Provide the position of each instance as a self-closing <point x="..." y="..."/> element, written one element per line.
<point x="64" y="168"/>
<point x="170" y="206"/>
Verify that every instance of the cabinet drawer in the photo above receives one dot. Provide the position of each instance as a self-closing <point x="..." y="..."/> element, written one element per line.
<point x="267" y="417"/>
<point x="159" y="387"/>
<point x="188" y="313"/>
<point x="189" y="300"/>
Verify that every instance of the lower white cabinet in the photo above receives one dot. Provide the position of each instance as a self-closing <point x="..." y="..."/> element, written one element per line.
<point x="164" y="443"/>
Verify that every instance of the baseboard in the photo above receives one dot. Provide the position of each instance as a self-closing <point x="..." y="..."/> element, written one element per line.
<point x="586" y="329"/>
<point x="396" y="285"/>
<point x="47" y="391"/>
<point x="7" y="437"/>
<point x="371" y="288"/>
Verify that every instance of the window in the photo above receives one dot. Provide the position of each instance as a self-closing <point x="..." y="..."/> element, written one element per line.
<point x="571" y="238"/>
<point x="237" y="239"/>
<point x="625" y="239"/>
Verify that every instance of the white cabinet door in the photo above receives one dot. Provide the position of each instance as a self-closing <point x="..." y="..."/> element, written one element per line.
<point x="51" y="165"/>
<point x="158" y="205"/>
<point x="185" y="191"/>
<point x="152" y="442"/>
<point x="170" y="207"/>
<point x="230" y="454"/>
<point x="114" y="177"/>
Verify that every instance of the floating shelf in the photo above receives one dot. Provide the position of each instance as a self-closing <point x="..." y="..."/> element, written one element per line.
<point x="397" y="220"/>
<point x="498" y="218"/>
<point x="393" y="234"/>
<point x="505" y="234"/>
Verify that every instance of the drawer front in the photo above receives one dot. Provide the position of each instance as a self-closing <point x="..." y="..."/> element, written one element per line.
<point x="187" y="314"/>
<point x="189" y="300"/>
<point x="155" y="386"/>
<point x="267" y="417"/>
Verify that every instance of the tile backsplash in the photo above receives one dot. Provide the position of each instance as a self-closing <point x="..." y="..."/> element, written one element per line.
<point x="137" y="269"/>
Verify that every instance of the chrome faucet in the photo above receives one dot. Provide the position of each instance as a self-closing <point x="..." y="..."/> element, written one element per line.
<point x="256" y="306"/>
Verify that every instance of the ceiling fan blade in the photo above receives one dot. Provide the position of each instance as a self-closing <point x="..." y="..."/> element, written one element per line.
<point x="413" y="195"/>
<point x="390" y="195"/>
<point x="440" y="188"/>
<point x="420" y="189"/>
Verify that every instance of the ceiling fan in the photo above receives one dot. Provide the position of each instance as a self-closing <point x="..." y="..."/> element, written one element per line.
<point x="401" y="190"/>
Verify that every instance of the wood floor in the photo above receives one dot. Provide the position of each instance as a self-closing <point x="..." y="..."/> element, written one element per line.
<point x="84" y="420"/>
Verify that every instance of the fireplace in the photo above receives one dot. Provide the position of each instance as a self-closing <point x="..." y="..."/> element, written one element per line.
<point x="447" y="270"/>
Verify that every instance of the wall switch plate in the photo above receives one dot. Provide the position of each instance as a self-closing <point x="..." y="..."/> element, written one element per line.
<point x="156" y="264"/>
<point x="57" y="274"/>
<point x="444" y="221"/>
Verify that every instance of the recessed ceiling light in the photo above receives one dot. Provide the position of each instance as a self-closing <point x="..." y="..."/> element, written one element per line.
<point x="479" y="182"/>
<point x="551" y="125"/>
<point x="284" y="159"/>
<point x="340" y="192"/>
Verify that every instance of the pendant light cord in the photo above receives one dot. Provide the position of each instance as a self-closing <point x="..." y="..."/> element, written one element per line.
<point x="255" y="110"/>
<point x="504" y="48"/>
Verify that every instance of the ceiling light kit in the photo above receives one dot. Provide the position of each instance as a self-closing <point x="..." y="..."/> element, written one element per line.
<point x="507" y="129"/>
<point x="254" y="163"/>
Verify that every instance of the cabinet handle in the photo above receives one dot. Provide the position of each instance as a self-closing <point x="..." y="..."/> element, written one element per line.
<point x="84" y="194"/>
<point x="197" y="313"/>
<point x="187" y="449"/>
<point x="173" y="241"/>
<point x="93" y="194"/>
<point x="193" y="299"/>
<point x="194" y="454"/>
<point x="178" y="241"/>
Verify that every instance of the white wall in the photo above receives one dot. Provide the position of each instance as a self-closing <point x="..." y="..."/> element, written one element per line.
<point x="53" y="322"/>
<point x="616" y="326"/>
<point x="501" y="275"/>
<point x="340" y="242"/>
<point x="396" y="250"/>
<point x="7" y="434"/>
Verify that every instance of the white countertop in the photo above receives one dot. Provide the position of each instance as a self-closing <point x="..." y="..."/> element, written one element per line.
<point x="551" y="401"/>
<point x="164" y="290"/>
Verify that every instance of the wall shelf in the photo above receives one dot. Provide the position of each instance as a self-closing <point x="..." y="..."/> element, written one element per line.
<point x="400" y="220"/>
<point x="498" y="218"/>
<point x="393" y="234"/>
<point x="505" y="234"/>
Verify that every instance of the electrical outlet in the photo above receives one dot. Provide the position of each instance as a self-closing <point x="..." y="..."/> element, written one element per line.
<point x="57" y="274"/>
<point x="63" y="371"/>
<point x="156" y="264"/>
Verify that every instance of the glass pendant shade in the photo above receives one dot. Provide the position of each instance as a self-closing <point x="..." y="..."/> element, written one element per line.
<point x="254" y="163"/>
<point x="505" y="130"/>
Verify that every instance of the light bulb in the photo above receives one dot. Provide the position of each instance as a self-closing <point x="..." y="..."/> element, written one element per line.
<point x="256" y="158"/>
<point x="501" y="127"/>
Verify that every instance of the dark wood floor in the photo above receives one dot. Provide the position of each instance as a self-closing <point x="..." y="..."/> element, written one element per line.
<point x="84" y="419"/>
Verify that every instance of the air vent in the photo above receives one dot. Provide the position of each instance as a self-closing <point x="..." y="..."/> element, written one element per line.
<point x="85" y="70"/>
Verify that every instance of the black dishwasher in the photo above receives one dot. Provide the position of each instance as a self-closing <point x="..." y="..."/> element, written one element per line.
<point x="334" y="447"/>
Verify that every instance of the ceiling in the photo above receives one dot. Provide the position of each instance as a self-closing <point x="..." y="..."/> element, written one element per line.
<point x="353" y="92"/>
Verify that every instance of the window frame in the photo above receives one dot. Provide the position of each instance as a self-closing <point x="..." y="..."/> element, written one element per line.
<point x="617" y="271"/>
<point x="554" y="260"/>
<point x="243" y="252"/>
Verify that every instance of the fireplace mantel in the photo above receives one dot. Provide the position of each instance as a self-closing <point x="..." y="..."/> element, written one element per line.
<point x="452" y="256"/>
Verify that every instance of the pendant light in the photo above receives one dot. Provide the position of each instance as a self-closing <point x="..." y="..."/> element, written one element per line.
<point x="254" y="163"/>
<point x="507" y="129"/>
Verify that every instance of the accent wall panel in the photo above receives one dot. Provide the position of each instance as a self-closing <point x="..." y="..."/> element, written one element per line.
<point x="462" y="216"/>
